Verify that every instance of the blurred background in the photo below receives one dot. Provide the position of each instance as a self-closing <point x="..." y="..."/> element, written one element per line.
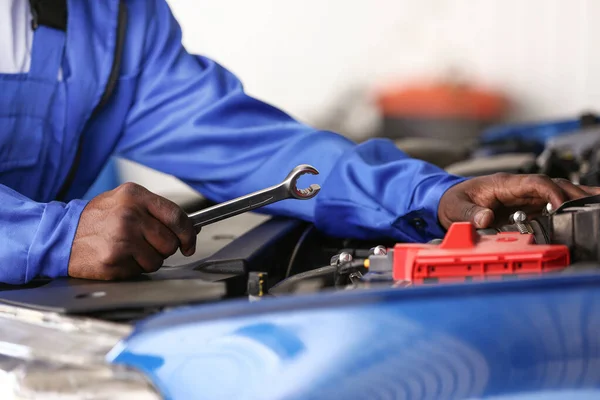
<point x="423" y="73"/>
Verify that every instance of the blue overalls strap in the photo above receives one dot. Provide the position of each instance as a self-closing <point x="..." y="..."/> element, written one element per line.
<point x="47" y="53"/>
<point x="49" y="22"/>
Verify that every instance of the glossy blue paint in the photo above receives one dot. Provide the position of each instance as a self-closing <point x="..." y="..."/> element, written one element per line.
<point x="539" y="132"/>
<point x="523" y="339"/>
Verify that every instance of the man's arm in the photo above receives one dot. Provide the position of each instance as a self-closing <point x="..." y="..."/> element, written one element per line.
<point x="116" y="235"/>
<point x="192" y="119"/>
<point x="35" y="238"/>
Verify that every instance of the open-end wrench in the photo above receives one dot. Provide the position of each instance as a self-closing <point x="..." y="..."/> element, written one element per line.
<point x="285" y="190"/>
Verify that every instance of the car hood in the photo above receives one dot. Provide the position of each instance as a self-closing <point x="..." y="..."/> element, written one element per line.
<point x="506" y="339"/>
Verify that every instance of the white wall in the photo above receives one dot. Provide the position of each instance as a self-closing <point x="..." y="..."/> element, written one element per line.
<point x="303" y="55"/>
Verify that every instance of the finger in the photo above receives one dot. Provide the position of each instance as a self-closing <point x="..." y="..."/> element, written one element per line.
<point x="161" y="238"/>
<point x="573" y="191"/>
<point x="481" y="217"/>
<point x="591" y="190"/>
<point x="127" y="269"/>
<point x="540" y="187"/>
<point x="174" y="218"/>
<point x="148" y="259"/>
<point x="111" y="261"/>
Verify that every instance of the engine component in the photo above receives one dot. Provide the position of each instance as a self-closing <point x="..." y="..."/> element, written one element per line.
<point x="519" y="219"/>
<point x="257" y="285"/>
<point x="317" y="278"/>
<point x="528" y="135"/>
<point x="510" y="163"/>
<point x="568" y="237"/>
<point x="340" y="258"/>
<point x="464" y="255"/>
<point x="378" y="251"/>
<point x="560" y="240"/>
<point x="572" y="156"/>
<point x="343" y="270"/>
<point x="560" y="149"/>
<point x="576" y="224"/>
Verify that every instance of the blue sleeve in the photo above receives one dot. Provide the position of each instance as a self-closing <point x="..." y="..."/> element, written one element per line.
<point x="191" y="118"/>
<point x="36" y="237"/>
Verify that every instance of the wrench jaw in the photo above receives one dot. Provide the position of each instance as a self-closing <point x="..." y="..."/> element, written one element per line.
<point x="292" y="179"/>
<point x="308" y="193"/>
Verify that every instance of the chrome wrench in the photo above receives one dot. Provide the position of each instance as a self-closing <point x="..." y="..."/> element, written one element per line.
<point x="285" y="190"/>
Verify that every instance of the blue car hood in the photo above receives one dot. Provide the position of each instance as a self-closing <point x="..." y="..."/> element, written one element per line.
<point x="520" y="339"/>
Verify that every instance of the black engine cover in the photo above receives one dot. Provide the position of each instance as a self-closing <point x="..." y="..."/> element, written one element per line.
<point x="575" y="224"/>
<point x="578" y="228"/>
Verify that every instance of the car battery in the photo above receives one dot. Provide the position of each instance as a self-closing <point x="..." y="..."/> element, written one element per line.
<point x="465" y="255"/>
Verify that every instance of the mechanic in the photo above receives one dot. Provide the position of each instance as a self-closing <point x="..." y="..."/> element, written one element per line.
<point x="111" y="77"/>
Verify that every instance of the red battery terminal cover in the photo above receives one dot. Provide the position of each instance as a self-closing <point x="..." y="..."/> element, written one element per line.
<point x="464" y="255"/>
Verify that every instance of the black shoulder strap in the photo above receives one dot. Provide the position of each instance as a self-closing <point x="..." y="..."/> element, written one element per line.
<point x="51" y="13"/>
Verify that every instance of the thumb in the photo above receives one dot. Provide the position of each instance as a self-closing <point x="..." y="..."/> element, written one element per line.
<point x="481" y="217"/>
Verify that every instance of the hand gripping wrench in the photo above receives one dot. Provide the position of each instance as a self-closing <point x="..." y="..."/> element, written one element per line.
<point x="285" y="190"/>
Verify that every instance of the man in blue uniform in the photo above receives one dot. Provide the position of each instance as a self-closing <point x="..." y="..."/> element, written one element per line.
<point x="83" y="80"/>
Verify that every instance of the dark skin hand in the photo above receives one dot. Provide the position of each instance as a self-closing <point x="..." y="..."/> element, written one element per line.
<point x="126" y="232"/>
<point x="489" y="200"/>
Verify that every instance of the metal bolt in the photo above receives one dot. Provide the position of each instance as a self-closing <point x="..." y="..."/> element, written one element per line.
<point x="379" y="251"/>
<point x="341" y="258"/>
<point x="518" y="217"/>
<point x="345" y="257"/>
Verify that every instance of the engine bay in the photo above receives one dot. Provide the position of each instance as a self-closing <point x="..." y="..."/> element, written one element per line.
<point x="254" y="257"/>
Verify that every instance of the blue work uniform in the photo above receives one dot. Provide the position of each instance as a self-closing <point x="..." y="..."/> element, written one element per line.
<point x="184" y="115"/>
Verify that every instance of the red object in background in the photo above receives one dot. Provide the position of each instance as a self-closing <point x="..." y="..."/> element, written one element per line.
<point x="442" y="100"/>
<point x="450" y="112"/>
<point x="464" y="255"/>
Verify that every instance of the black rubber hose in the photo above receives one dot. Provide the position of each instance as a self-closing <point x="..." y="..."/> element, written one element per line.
<point x="352" y="266"/>
<point x="330" y="271"/>
<point x="286" y="285"/>
<point x="299" y="244"/>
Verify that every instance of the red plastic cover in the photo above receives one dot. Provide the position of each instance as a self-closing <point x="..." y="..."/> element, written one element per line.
<point x="465" y="255"/>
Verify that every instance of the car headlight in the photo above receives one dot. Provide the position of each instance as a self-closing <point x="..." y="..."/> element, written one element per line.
<point x="49" y="356"/>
